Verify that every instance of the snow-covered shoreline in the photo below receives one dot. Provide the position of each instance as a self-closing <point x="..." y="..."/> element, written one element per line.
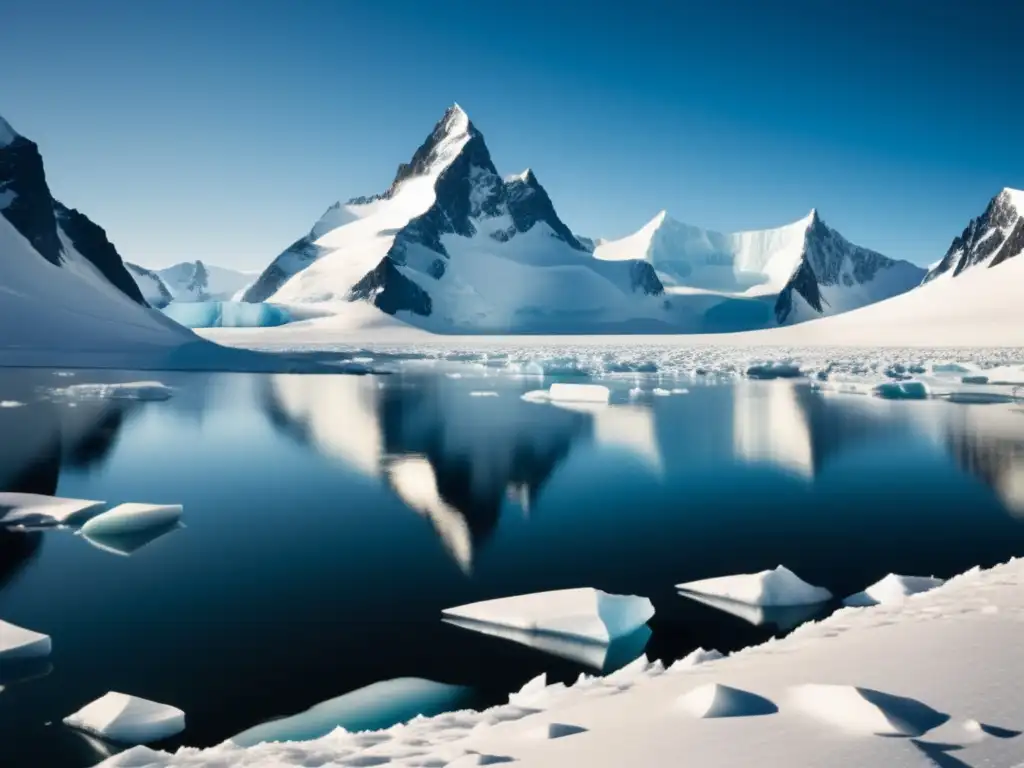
<point x="939" y="672"/>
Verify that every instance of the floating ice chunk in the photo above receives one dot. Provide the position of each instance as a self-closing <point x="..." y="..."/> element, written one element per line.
<point x="17" y="643"/>
<point x="35" y="509"/>
<point x="783" y="617"/>
<point x="715" y="700"/>
<point x="862" y="710"/>
<point x="659" y="392"/>
<point x="780" y="587"/>
<point x="901" y="390"/>
<point x="374" y="707"/>
<point x="483" y="393"/>
<point x="579" y="393"/>
<point x="11" y="404"/>
<point x="783" y="369"/>
<point x="129" y="390"/>
<point x="893" y="589"/>
<point x="128" y="719"/>
<point x="680" y="391"/>
<point x="227" y="314"/>
<point x="584" y="613"/>
<point x="132" y="518"/>
<point x="599" y="656"/>
<point x="129" y="543"/>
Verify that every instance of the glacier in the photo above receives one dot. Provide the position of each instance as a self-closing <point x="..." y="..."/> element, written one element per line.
<point x="227" y="314"/>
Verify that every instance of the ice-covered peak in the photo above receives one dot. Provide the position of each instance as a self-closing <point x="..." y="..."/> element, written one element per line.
<point x="455" y="120"/>
<point x="1015" y="197"/>
<point x="526" y="177"/>
<point x="7" y="134"/>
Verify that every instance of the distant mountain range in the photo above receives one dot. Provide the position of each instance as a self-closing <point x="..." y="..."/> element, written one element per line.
<point x="452" y="246"/>
<point x="189" y="281"/>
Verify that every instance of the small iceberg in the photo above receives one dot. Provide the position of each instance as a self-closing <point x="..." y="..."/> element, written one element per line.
<point x="777" y="588"/>
<point x="604" y="658"/>
<point x="570" y="393"/>
<point x="375" y="707"/>
<point x="783" y="618"/>
<point x="901" y="390"/>
<point x="36" y="509"/>
<point x="131" y="518"/>
<point x="128" y="719"/>
<point x="584" y="614"/>
<point x="227" y="314"/>
<point x="893" y="590"/>
<point x="782" y="369"/>
<point x="18" y="643"/>
<point x="129" y="390"/>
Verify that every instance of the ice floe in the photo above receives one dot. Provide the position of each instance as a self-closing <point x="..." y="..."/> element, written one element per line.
<point x="775" y="588"/>
<point x="129" y="542"/>
<point x="584" y="613"/>
<point x="129" y="390"/>
<point x="132" y="518"/>
<point x="570" y="393"/>
<point x="11" y="404"/>
<point x="374" y="707"/>
<point x="36" y="510"/>
<point x="128" y="719"/>
<point x="892" y="590"/>
<point x="901" y="390"/>
<point x="18" y="643"/>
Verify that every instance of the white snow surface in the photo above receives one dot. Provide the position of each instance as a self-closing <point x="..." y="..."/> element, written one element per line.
<point x="17" y="643"/>
<point x="775" y="588"/>
<point x="942" y="671"/>
<point x="35" y="509"/>
<point x="893" y="589"/>
<point x="132" y="518"/>
<point x="128" y="719"/>
<point x="584" y="613"/>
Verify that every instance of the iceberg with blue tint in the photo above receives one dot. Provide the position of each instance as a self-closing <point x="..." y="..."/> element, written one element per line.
<point x="375" y="707"/>
<point x="227" y="314"/>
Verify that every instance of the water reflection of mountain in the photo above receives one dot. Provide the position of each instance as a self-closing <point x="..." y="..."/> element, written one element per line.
<point x="987" y="441"/>
<point x="452" y="458"/>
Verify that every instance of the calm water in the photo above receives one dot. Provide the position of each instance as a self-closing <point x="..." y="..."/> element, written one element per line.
<point x="329" y="519"/>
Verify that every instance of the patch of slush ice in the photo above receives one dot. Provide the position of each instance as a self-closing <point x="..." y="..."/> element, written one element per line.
<point x="375" y="707"/>
<point x="35" y="509"/>
<point x="11" y="404"/>
<point x="132" y="518"/>
<point x="483" y="393"/>
<point x="128" y="719"/>
<point x="780" y="587"/>
<point x="584" y="613"/>
<point x="17" y="643"/>
<point x="130" y="390"/>
<point x="892" y="590"/>
<point x="659" y="392"/>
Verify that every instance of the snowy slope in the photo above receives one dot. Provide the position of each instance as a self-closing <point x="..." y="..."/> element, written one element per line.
<point x="451" y="246"/>
<point x="992" y="238"/>
<point x="808" y="267"/>
<point x="154" y="289"/>
<point x="198" y="281"/>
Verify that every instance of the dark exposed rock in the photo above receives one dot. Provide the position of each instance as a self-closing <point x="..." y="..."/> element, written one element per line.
<point x="985" y="238"/>
<point x="91" y="241"/>
<point x="528" y="203"/>
<point x="391" y="291"/>
<point x="31" y="209"/>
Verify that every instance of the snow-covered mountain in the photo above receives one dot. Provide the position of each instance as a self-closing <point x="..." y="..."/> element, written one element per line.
<point x="990" y="239"/>
<point x="65" y="293"/>
<point x="198" y="281"/>
<point x="807" y="268"/>
<point x="452" y="246"/>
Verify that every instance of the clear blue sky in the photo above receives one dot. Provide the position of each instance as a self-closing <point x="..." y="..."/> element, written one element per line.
<point x="221" y="130"/>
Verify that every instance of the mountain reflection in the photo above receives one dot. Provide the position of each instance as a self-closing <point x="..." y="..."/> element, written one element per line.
<point x="987" y="441"/>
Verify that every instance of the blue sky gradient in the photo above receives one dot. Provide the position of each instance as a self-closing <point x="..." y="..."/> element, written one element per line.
<point x="222" y="130"/>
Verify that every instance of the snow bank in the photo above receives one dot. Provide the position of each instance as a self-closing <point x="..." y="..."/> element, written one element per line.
<point x="585" y="613"/>
<point x="375" y="707"/>
<point x="129" y="390"/>
<point x="132" y="518"/>
<point x="33" y="509"/>
<point x="862" y="710"/>
<point x="892" y="589"/>
<point x="780" y="587"/>
<point x="128" y="719"/>
<point x="227" y="314"/>
<point x="715" y="700"/>
<point x="18" y="643"/>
